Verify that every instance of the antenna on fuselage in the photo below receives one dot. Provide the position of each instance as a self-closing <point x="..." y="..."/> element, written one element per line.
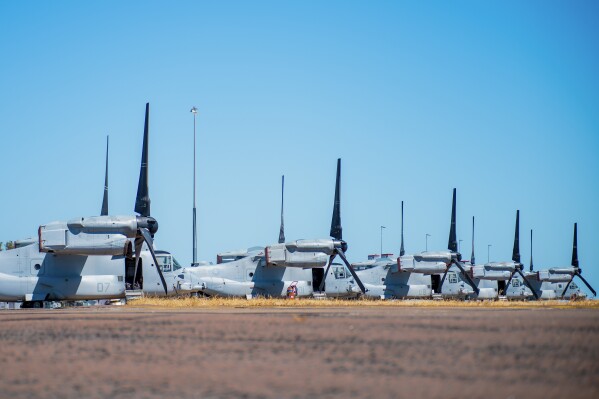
<point x="282" y="228"/>
<point x="104" y="211"/>
<point x="401" y="248"/>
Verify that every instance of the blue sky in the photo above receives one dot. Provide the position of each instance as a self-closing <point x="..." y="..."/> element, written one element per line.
<point x="497" y="99"/>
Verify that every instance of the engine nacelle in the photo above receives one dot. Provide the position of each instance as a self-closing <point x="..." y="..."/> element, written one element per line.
<point x="414" y="264"/>
<point x="485" y="273"/>
<point x="326" y="246"/>
<point x="298" y="255"/>
<point x="125" y="225"/>
<point x="442" y="256"/>
<point x="60" y="239"/>
<point x="501" y="266"/>
<point x="548" y="275"/>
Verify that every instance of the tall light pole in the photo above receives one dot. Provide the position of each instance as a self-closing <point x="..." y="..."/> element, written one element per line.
<point x="426" y="238"/>
<point x="488" y="252"/>
<point x="194" y="111"/>
<point x="382" y="227"/>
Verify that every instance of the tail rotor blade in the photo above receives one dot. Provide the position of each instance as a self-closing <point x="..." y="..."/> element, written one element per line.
<point x="351" y="270"/>
<point x="104" y="211"/>
<point x="148" y="239"/>
<point x="142" y="201"/>
<point x="516" y="250"/>
<point x="282" y="228"/>
<point x="452" y="245"/>
<point x="336" y="230"/>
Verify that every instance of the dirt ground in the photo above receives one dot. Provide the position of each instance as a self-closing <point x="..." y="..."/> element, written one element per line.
<point x="117" y="352"/>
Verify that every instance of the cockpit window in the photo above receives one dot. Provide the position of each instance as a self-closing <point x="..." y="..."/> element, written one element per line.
<point x="516" y="283"/>
<point x="164" y="262"/>
<point x="453" y="278"/>
<point x="573" y="285"/>
<point x="176" y="265"/>
<point x="339" y="272"/>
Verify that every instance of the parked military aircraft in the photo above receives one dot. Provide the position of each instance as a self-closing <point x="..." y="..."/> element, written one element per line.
<point x="272" y="270"/>
<point x="442" y="264"/>
<point x="557" y="282"/>
<point x="88" y="257"/>
<point x="503" y="272"/>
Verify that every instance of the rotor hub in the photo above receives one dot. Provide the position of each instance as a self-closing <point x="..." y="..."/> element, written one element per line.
<point x="147" y="222"/>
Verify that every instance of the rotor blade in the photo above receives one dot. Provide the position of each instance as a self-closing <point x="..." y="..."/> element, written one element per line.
<point x="443" y="280"/>
<point x="472" y="261"/>
<point x="104" y="211"/>
<point x="282" y="228"/>
<point x="587" y="284"/>
<point x="508" y="282"/>
<point x="531" y="267"/>
<point x="351" y="270"/>
<point x="148" y="239"/>
<point x="142" y="201"/>
<point x="452" y="245"/>
<point x="567" y="285"/>
<point x="575" y="248"/>
<point x="516" y="250"/>
<point x="528" y="284"/>
<point x="326" y="272"/>
<point x="401" y="249"/>
<point x="336" y="230"/>
<point x="138" y="243"/>
<point x="470" y="281"/>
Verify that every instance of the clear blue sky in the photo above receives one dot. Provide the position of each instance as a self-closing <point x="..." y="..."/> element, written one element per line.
<point x="498" y="99"/>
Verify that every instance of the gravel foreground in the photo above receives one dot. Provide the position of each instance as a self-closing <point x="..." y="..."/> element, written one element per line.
<point x="360" y="352"/>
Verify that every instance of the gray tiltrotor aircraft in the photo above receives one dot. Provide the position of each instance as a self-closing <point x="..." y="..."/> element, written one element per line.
<point x="88" y="257"/>
<point x="271" y="271"/>
<point x="441" y="264"/>
<point x="557" y="282"/>
<point x="503" y="272"/>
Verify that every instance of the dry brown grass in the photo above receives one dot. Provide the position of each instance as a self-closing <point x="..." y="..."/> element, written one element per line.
<point x="215" y="302"/>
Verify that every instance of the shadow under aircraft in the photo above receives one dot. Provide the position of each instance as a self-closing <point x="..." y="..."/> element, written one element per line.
<point x="89" y="257"/>
<point x="273" y="270"/>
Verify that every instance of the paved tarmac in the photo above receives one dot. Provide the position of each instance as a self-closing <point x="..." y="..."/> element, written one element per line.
<point x="358" y="352"/>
